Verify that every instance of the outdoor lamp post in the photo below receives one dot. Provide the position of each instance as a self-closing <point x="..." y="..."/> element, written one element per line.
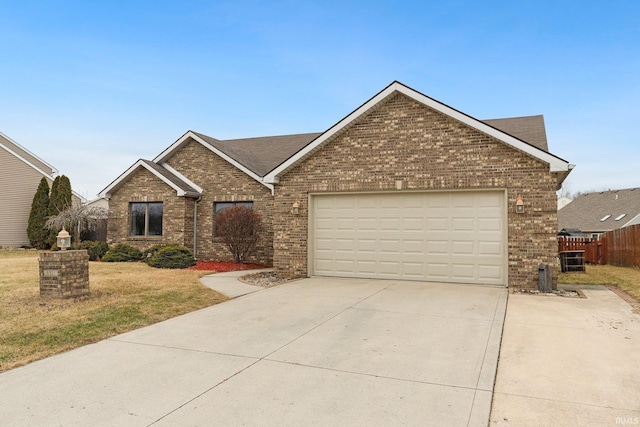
<point x="63" y="239"/>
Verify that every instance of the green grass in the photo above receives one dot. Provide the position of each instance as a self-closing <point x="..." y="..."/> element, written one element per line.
<point x="124" y="296"/>
<point x="625" y="278"/>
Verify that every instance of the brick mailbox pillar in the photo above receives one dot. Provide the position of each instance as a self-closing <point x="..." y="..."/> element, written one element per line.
<point x="64" y="274"/>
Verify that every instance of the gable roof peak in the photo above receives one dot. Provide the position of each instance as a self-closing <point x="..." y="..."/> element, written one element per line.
<point x="27" y="156"/>
<point x="556" y="164"/>
<point x="168" y="176"/>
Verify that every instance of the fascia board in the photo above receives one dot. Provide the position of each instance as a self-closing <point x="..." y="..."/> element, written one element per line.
<point x="555" y="163"/>
<point x="79" y="196"/>
<point x="633" y="221"/>
<point x="106" y="192"/>
<point x="182" y="177"/>
<point x="28" y="163"/>
<point x="160" y="158"/>
<point x="272" y="177"/>
<point x="166" y="153"/>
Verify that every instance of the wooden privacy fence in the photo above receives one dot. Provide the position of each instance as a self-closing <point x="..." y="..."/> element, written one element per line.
<point x="618" y="247"/>
<point x="624" y="246"/>
<point x="595" y="251"/>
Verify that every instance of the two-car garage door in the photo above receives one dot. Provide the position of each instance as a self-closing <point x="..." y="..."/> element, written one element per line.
<point x="456" y="237"/>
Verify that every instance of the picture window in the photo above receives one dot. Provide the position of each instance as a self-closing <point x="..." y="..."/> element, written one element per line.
<point x="145" y="219"/>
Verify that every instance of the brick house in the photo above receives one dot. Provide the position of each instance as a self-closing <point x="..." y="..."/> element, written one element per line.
<point x="404" y="187"/>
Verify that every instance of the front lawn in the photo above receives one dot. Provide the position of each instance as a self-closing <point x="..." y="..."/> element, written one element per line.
<point x="625" y="278"/>
<point x="124" y="296"/>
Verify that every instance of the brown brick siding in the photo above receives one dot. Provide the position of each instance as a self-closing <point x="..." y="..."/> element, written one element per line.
<point x="143" y="186"/>
<point x="223" y="182"/>
<point x="401" y="139"/>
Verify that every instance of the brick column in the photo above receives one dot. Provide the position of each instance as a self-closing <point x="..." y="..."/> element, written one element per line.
<point x="64" y="274"/>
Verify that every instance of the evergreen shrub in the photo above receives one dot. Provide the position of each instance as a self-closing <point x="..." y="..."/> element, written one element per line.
<point x="122" y="253"/>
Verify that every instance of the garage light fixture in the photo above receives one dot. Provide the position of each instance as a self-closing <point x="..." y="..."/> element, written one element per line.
<point x="295" y="209"/>
<point x="519" y="205"/>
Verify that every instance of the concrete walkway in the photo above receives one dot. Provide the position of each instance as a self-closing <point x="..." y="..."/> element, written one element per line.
<point x="311" y="352"/>
<point x="228" y="284"/>
<point x="569" y="362"/>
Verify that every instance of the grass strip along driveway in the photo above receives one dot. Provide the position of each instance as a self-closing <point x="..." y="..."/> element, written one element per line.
<point x="124" y="296"/>
<point x="624" y="278"/>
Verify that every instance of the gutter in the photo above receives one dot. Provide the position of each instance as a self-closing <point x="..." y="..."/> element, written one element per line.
<point x="195" y="227"/>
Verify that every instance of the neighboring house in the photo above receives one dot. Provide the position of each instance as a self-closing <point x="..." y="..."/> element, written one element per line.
<point x="563" y="201"/>
<point x="404" y="187"/>
<point x="599" y="212"/>
<point x="21" y="174"/>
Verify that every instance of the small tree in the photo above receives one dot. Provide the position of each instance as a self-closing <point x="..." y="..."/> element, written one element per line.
<point x="240" y="228"/>
<point x="59" y="200"/>
<point x="78" y="219"/>
<point x="36" y="230"/>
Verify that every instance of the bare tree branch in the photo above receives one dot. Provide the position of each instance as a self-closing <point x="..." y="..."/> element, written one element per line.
<point x="78" y="219"/>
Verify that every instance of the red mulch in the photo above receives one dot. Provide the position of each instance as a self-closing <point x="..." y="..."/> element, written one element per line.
<point x="222" y="266"/>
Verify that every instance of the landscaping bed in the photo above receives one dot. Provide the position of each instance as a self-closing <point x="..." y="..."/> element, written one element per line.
<point x="266" y="279"/>
<point x="224" y="266"/>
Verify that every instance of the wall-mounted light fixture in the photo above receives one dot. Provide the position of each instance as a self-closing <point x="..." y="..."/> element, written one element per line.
<point x="519" y="205"/>
<point x="295" y="209"/>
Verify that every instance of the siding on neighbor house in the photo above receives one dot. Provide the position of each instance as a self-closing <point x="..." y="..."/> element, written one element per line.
<point x="17" y="187"/>
<point x="223" y="182"/>
<point x="401" y="139"/>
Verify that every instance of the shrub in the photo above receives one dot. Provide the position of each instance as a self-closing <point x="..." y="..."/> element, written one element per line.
<point x="148" y="253"/>
<point x="171" y="256"/>
<point x="36" y="230"/>
<point x="122" y="253"/>
<point x="240" y="228"/>
<point x="96" y="250"/>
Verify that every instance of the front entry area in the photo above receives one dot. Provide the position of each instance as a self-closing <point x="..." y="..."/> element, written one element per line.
<point x="451" y="237"/>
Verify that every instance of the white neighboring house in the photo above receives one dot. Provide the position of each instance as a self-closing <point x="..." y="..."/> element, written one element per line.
<point x="21" y="174"/>
<point x="100" y="202"/>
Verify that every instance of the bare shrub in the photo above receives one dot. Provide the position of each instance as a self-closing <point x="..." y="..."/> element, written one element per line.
<point x="240" y="228"/>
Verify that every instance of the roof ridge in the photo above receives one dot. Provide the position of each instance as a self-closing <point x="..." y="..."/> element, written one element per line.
<point x="270" y="136"/>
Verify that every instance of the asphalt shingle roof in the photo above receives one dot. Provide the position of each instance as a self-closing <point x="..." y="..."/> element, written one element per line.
<point x="586" y="211"/>
<point x="263" y="154"/>
<point x="529" y="129"/>
<point x="177" y="181"/>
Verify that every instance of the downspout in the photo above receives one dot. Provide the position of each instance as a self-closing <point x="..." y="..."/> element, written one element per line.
<point x="195" y="227"/>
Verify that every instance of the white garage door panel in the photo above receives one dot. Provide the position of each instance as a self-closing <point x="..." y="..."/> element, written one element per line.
<point x="450" y="237"/>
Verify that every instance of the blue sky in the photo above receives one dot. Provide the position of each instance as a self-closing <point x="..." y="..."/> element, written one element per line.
<point x="91" y="87"/>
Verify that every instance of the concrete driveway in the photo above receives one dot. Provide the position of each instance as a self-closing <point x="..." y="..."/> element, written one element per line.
<point x="569" y="361"/>
<point x="318" y="351"/>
